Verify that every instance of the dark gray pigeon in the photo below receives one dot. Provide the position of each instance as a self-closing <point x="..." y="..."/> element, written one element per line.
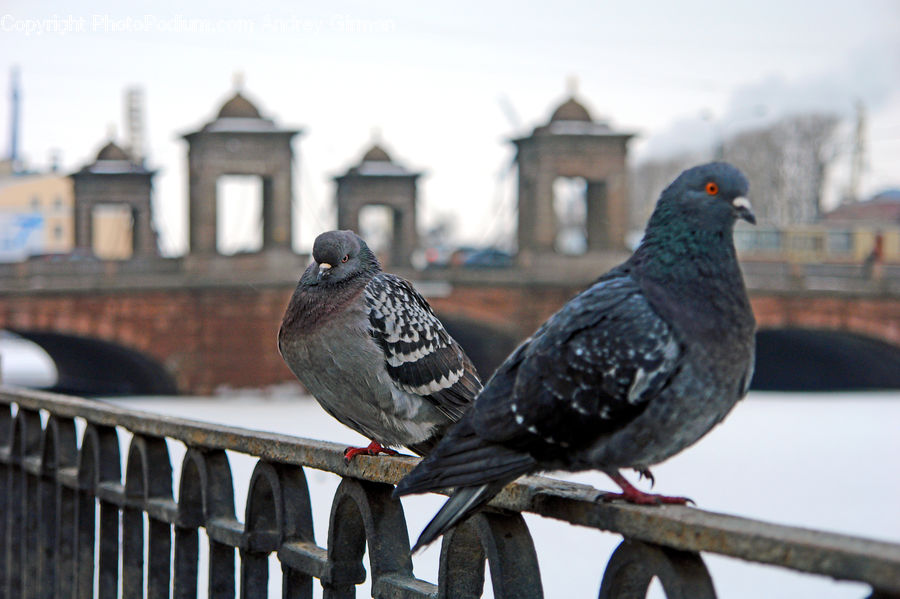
<point x="627" y="374"/>
<point x="371" y="350"/>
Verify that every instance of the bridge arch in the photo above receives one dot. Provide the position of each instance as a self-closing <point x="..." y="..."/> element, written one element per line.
<point x="486" y="345"/>
<point x="89" y="366"/>
<point x="814" y="359"/>
<point x="789" y="358"/>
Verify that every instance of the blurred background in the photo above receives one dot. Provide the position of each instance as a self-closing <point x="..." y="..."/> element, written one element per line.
<point x="444" y="92"/>
<point x="500" y="157"/>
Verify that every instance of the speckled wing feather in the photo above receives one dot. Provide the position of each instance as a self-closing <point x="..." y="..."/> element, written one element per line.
<point x="590" y="369"/>
<point x="419" y="354"/>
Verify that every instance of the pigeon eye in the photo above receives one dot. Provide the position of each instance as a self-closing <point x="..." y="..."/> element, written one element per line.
<point x="345" y="258"/>
<point x="712" y="189"/>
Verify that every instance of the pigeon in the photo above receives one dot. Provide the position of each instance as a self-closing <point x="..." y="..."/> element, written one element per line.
<point x="628" y="373"/>
<point x="371" y="350"/>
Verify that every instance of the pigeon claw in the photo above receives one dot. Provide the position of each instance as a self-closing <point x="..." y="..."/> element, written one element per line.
<point x="641" y="498"/>
<point x="374" y="448"/>
<point x="645" y="473"/>
<point x="633" y="495"/>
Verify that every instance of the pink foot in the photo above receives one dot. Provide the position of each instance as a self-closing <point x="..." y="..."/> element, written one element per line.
<point x="633" y="495"/>
<point x="374" y="448"/>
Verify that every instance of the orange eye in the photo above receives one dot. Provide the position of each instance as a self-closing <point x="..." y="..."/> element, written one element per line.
<point x="345" y="258"/>
<point x="712" y="189"/>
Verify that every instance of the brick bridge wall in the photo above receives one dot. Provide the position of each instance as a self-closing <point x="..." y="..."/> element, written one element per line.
<point x="215" y="336"/>
<point x="204" y="338"/>
<point x="522" y="309"/>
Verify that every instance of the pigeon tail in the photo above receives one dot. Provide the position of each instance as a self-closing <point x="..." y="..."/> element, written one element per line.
<point x="478" y="469"/>
<point x="459" y="507"/>
<point x="462" y="459"/>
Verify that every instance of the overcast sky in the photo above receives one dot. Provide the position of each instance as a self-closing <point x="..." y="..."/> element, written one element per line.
<point x="445" y="86"/>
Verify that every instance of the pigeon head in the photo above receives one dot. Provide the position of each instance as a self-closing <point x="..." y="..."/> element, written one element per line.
<point x="340" y="256"/>
<point x="715" y="193"/>
<point x="691" y="228"/>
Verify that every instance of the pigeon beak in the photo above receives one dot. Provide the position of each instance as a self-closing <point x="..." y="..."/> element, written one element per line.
<point x="324" y="269"/>
<point x="743" y="209"/>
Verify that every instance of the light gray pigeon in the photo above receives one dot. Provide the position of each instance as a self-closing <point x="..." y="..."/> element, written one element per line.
<point x="371" y="350"/>
<point x="627" y="374"/>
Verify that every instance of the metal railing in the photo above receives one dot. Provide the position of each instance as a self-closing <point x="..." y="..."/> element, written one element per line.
<point x="72" y="526"/>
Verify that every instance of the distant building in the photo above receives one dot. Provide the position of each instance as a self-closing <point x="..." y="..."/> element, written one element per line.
<point x="102" y="210"/>
<point x="858" y="233"/>
<point x="882" y="209"/>
<point x="875" y="224"/>
<point x="35" y="215"/>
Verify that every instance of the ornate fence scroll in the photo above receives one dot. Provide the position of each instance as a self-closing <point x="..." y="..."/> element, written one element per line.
<point x="72" y="524"/>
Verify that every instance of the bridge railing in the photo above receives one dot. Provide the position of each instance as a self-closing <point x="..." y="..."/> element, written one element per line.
<point x="72" y="524"/>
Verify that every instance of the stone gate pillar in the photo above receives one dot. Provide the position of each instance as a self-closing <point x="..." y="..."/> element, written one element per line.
<point x="115" y="179"/>
<point x="240" y="141"/>
<point x="379" y="181"/>
<point x="572" y="144"/>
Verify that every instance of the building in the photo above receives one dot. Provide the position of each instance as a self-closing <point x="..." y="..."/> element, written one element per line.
<point x="102" y="210"/>
<point x="858" y="233"/>
<point x="35" y="215"/>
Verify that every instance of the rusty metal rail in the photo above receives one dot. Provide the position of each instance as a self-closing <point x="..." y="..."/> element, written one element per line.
<point x="69" y="520"/>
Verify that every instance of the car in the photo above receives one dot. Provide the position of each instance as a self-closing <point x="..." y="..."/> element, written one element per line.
<point x="488" y="258"/>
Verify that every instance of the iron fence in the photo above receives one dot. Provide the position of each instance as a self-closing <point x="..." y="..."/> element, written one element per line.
<point x="72" y="526"/>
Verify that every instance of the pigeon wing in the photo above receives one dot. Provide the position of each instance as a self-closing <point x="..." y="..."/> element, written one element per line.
<point x="589" y="370"/>
<point x="420" y="356"/>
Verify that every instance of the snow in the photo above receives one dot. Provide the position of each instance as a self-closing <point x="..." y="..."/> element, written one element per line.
<point x="378" y="168"/>
<point x="241" y="125"/>
<point x="582" y="128"/>
<point x="819" y="460"/>
<point x="112" y="167"/>
<point x="24" y="363"/>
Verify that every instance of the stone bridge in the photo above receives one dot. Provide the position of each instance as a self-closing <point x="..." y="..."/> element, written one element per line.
<point x="206" y="320"/>
<point x="194" y="326"/>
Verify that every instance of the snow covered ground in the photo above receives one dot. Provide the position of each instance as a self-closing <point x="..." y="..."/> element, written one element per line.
<point x="825" y="461"/>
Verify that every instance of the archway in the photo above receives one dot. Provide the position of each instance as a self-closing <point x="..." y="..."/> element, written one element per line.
<point x="91" y="367"/>
<point x="486" y="346"/>
<point x="796" y="359"/>
<point x="239" y="214"/>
